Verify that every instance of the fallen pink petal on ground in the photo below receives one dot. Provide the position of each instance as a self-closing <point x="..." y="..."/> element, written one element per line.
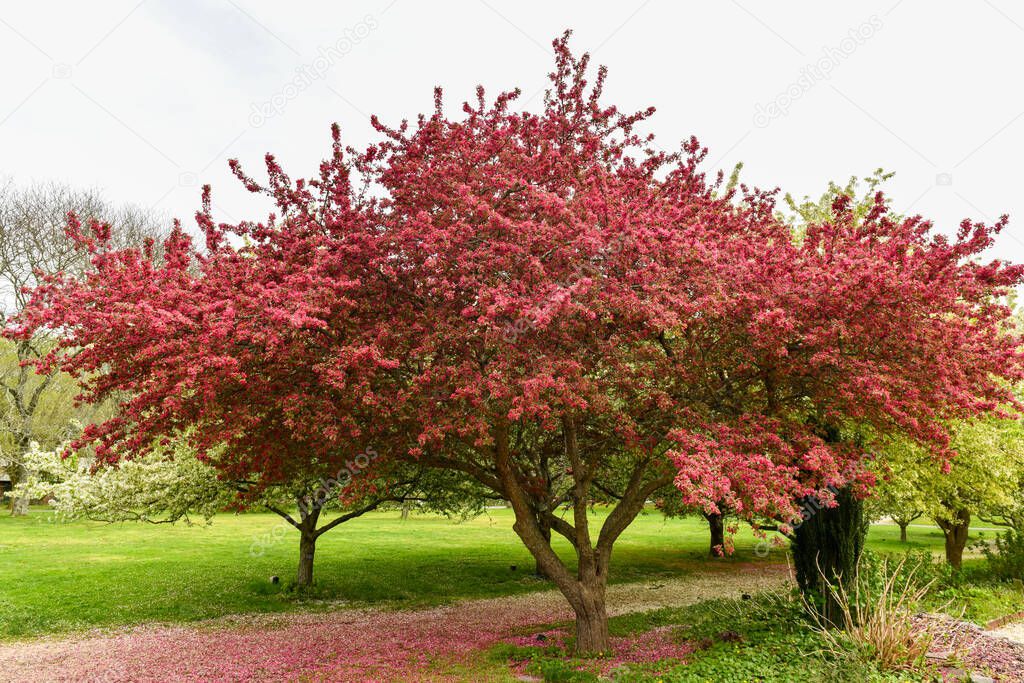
<point x="350" y="645"/>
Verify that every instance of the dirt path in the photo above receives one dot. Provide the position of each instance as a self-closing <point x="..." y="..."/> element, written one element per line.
<point x="344" y="645"/>
<point x="1014" y="632"/>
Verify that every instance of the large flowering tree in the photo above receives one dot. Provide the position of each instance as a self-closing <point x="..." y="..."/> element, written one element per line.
<point x="551" y="305"/>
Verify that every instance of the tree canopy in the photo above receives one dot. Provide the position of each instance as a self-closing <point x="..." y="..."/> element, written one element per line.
<point x="550" y="304"/>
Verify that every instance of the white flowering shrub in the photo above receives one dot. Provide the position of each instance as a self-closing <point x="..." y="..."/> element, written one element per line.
<point x="160" y="487"/>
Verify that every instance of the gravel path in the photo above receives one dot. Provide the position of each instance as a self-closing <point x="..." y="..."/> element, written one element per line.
<point x="343" y="645"/>
<point x="1014" y="632"/>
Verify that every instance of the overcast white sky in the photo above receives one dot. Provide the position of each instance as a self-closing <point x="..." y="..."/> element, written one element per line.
<point x="147" y="100"/>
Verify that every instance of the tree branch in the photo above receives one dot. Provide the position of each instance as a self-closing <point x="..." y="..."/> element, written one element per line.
<point x="285" y="515"/>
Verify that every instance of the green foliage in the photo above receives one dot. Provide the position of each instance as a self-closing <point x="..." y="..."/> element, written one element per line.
<point x="450" y="493"/>
<point x="894" y="499"/>
<point x="984" y="480"/>
<point x="56" y="417"/>
<point x="766" y="639"/>
<point x="1006" y="554"/>
<point x="875" y="567"/>
<point x="975" y="593"/>
<point x="981" y="478"/>
<point x="801" y="214"/>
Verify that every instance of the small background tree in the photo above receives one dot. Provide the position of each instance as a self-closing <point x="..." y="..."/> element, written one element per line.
<point x="892" y="499"/>
<point x="40" y="407"/>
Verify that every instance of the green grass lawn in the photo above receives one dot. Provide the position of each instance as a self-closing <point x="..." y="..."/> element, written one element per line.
<point x="58" y="577"/>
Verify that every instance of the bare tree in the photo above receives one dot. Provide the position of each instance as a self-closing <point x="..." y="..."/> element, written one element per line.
<point x="32" y="241"/>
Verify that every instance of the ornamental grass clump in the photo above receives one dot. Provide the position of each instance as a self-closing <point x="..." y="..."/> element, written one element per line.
<point x="876" y="612"/>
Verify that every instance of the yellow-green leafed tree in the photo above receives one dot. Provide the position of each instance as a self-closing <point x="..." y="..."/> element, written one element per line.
<point x="983" y="480"/>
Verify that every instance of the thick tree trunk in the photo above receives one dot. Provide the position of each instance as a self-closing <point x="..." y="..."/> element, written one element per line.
<point x="955" y="533"/>
<point x="405" y="509"/>
<point x="717" y="525"/>
<point x="585" y="591"/>
<point x="307" y="544"/>
<point x="592" y="621"/>
<point x="826" y="549"/>
<point x="307" y="550"/>
<point x="903" y="533"/>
